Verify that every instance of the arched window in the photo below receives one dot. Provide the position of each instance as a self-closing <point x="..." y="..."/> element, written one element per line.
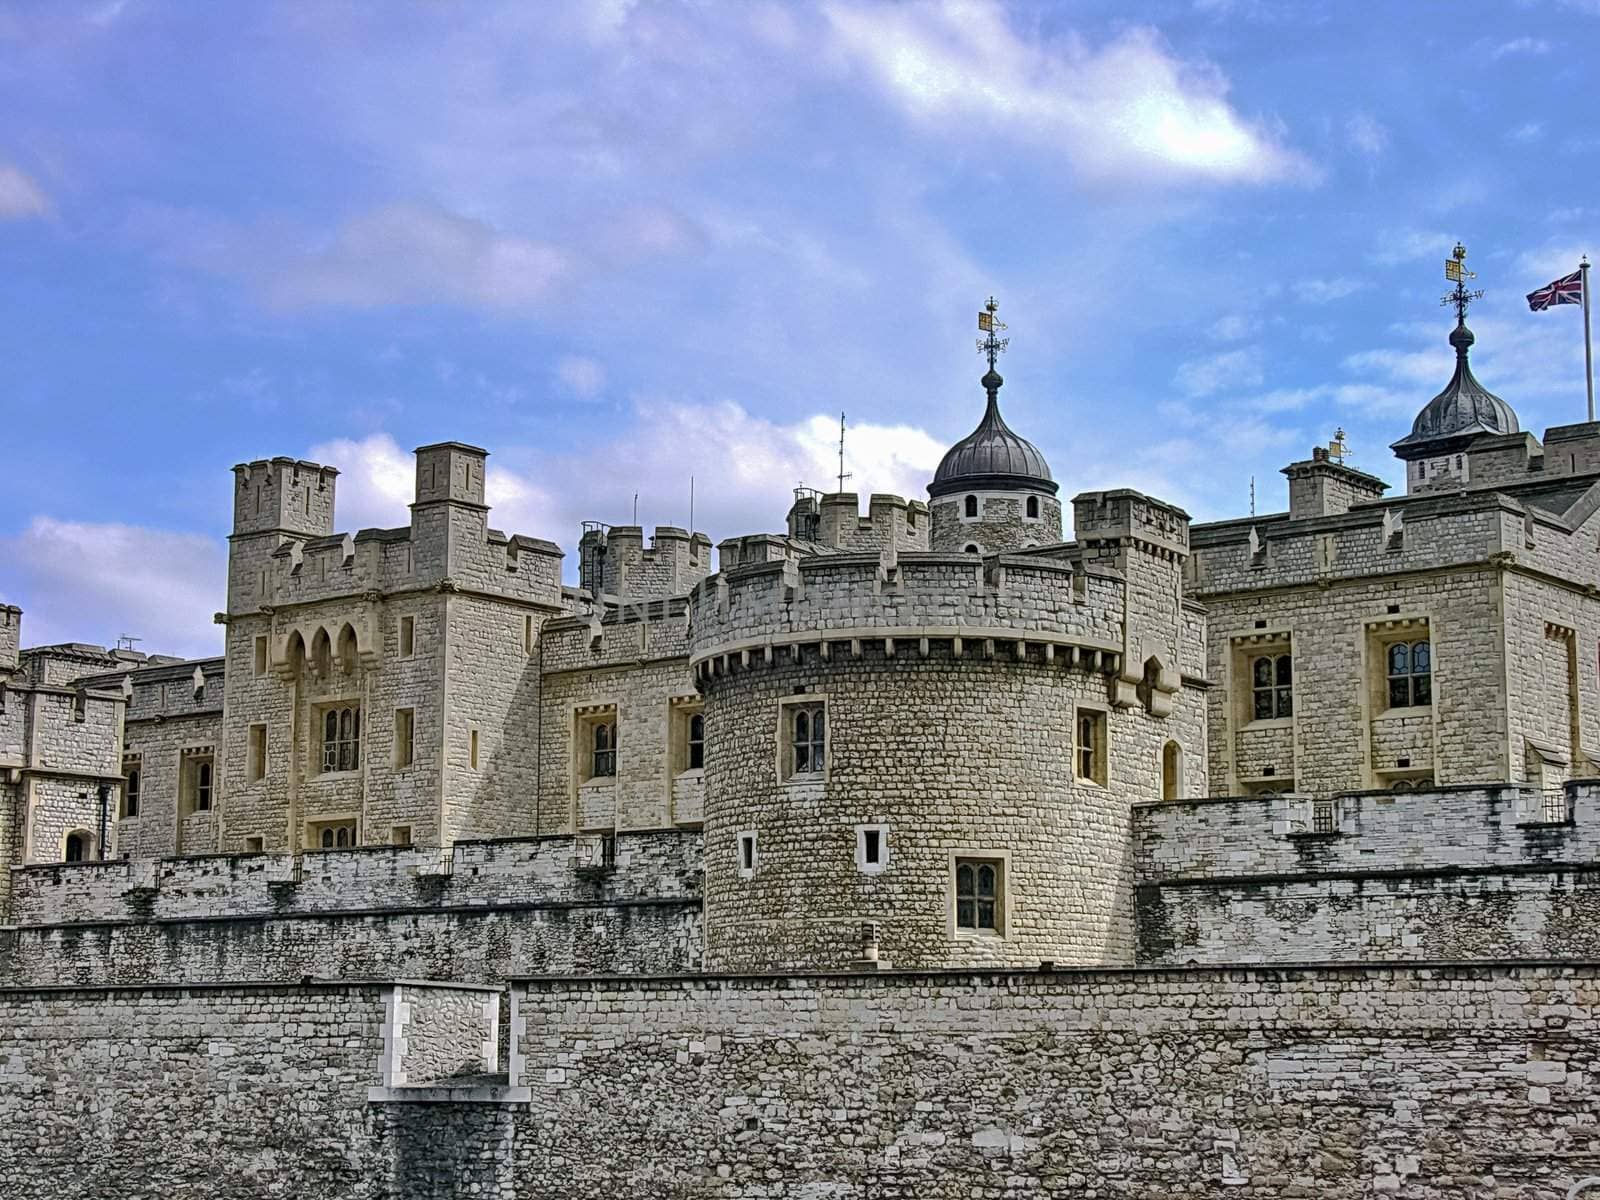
<point x="1271" y="687"/>
<point x="972" y="506"/>
<point x="605" y="750"/>
<point x="77" y="849"/>
<point x="1171" y="771"/>
<point x="202" y="786"/>
<point x="1033" y="508"/>
<point x="130" y="794"/>
<point x="977" y="894"/>
<point x="697" y="741"/>
<point x="1410" y="667"/>
<point x="972" y="548"/>
<point x="341" y="738"/>
<point x="327" y="839"/>
<point x="809" y="740"/>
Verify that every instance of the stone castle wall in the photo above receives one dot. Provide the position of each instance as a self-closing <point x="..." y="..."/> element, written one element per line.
<point x="1432" y="1081"/>
<point x="504" y="907"/>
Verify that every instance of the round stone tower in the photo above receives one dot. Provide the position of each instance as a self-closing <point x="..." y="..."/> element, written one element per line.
<point x="929" y="748"/>
<point x="993" y="492"/>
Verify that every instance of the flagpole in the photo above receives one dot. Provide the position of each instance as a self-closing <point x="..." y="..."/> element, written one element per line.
<point x="1588" y="348"/>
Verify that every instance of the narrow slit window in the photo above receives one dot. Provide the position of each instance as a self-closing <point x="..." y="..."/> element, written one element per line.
<point x="697" y="741"/>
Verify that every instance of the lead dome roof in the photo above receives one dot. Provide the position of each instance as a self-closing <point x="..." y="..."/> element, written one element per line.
<point x="993" y="456"/>
<point x="1463" y="410"/>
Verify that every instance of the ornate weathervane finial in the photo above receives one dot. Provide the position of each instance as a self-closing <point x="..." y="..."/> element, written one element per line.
<point x="991" y="345"/>
<point x="1455" y="269"/>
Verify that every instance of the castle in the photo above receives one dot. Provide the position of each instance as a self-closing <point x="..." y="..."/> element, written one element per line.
<point x="916" y="853"/>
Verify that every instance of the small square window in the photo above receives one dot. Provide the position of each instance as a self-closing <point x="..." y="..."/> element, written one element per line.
<point x="260" y="663"/>
<point x="979" y="895"/>
<point x="408" y="636"/>
<point x="255" y="845"/>
<point x="331" y="835"/>
<point x="747" y="855"/>
<point x="1089" y="746"/>
<point x="256" y="764"/>
<point x="400" y="835"/>
<point x="872" y="848"/>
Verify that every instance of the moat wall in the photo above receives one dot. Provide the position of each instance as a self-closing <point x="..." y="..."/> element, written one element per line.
<point x="1427" y="1081"/>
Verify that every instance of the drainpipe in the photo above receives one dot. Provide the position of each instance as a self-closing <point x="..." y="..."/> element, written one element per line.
<point x="104" y="792"/>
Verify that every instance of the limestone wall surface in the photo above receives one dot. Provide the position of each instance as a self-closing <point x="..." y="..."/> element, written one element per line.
<point x="1506" y="913"/>
<point x="662" y="865"/>
<point x="191" y="1092"/>
<point x="1465" y="827"/>
<point x="1422" y="1082"/>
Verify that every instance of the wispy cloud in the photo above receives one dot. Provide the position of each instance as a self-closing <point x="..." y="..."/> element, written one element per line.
<point x="94" y="582"/>
<point x="583" y="377"/>
<point x="20" y="196"/>
<point x="1367" y="134"/>
<point x="1230" y="371"/>
<point x="1325" y="291"/>
<point x="1521" y="45"/>
<point x="1397" y="246"/>
<point x="1126" y="110"/>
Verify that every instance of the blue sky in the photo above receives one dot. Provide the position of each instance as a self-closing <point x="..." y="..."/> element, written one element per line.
<point x="620" y="244"/>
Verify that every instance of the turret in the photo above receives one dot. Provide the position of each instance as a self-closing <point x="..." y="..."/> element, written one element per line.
<point x="10" y="639"/>
<point x="1321" y="487"/>
<point x="613" y="560"/>
<point x="283" y="495"/>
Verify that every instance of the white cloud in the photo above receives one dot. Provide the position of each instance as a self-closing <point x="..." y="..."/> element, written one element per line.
<point x="1398" y="246"/>
<point x="1232" y="371"/>
<point x="87" y="582"/>
<point x="743" y="465"/>
<point x="1367" y="135"/>
<point x="583" y="377"/>
<point x="20" y="196"/>
<point x="1530" y="131"/>
<point x="1234" y="327"/>
<point x="1521" y="45"/>
<point x="1126" y="110"/>
<point x="1550" y="261"/>
<point x="1325" y="291"/>
<point x="408" y="254"/>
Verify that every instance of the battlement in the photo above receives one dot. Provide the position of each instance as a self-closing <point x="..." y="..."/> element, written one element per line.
<point x="834" y="520"/>
<point x="1124" y="515"/>
<point x="10" y="638"/>
<point x="283" y="495"/>
<point x="614" y="560"/>
<point x="1055" y="602"/>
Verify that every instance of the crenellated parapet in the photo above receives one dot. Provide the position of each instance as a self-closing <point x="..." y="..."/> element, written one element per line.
<point x="613" y="560"/>
<point x="833" y="520"/>
<point x="1051" y="609"/>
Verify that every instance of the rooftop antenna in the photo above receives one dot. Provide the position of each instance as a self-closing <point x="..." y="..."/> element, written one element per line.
<point x="1252" y="495"/>
<point x="127" y="641"/>
<point x="691" y="504"/>
<point x="843" y="474"/>
<point x="636" y="508"/>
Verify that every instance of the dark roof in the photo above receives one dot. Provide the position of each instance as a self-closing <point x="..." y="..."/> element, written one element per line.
<point x="991" y="456"/>
<point x="1463" y="410"/>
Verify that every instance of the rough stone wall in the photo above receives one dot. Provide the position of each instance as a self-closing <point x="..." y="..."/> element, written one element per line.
<point x="491" y="689"/>
<point x="1552" y="686"/>
<point x="1454" y="914"/>
<point x="227" y="1092"/>
<point x="464" y="943"/>
<point x="664" y="865"/>
<point x="1337" y="733"/>
<point x="975" y="755"/>
<point x="1458" y="828"/>
<point x="1001" y="526"/>
<point x="440" y="1034"/>
<point x="1427" y="1082"/>
<point x="636" y="659"/>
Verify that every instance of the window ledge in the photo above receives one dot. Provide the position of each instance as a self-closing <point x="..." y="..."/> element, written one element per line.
<point x="1410" y="710"/>
<point x="691" y="773"/>
<point x="1090" y="782"/>
<point x="1271" y="723"/>
<point x="321" y="775"/>
<point x="980" y="935"/>
<point x="806" y="779"/>
<point x="598" y="783"/>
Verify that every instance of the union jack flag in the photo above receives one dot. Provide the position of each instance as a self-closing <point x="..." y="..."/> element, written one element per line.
<point x="1566" y="290"/>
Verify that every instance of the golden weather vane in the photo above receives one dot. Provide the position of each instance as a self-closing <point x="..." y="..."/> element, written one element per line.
<point x="1455" y="270"/>
<point x="992" y="345"/>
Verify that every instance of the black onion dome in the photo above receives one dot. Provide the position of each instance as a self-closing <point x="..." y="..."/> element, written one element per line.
<point x="1462" y="411"/>
<point x="992" y="457"/>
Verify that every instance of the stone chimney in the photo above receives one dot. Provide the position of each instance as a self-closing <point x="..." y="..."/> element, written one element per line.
<point x="1320" y="487"/>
